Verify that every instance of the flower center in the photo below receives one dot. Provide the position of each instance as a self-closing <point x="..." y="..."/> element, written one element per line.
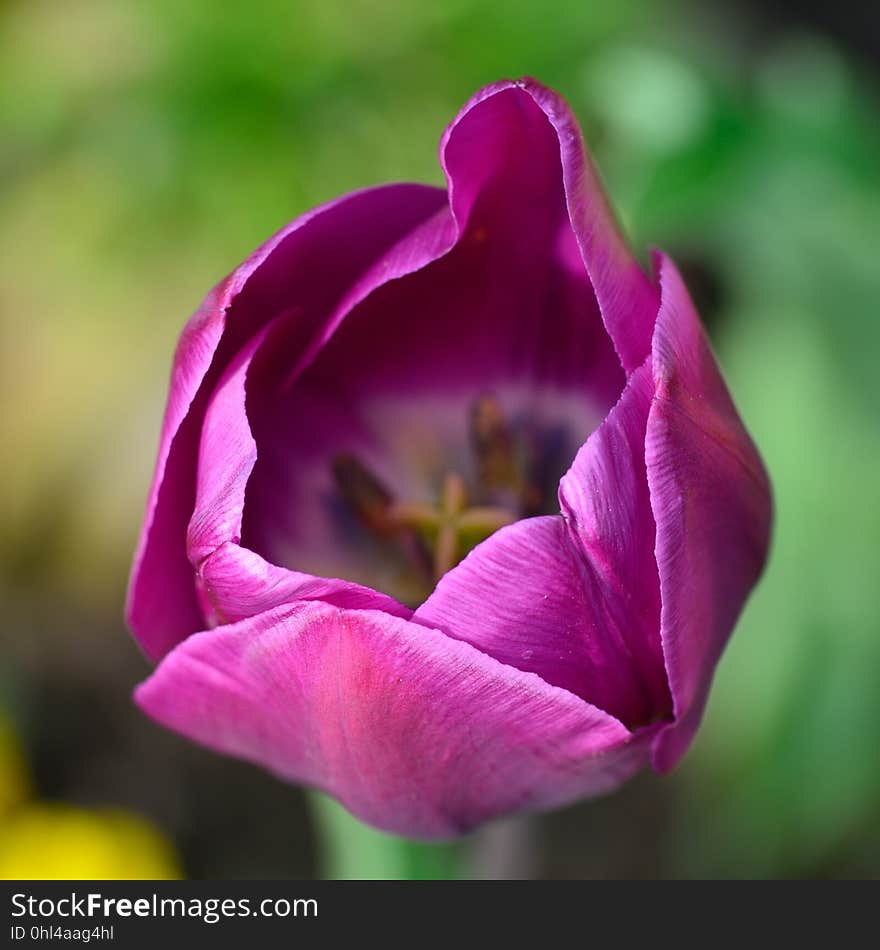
<point x="434" y="537"/>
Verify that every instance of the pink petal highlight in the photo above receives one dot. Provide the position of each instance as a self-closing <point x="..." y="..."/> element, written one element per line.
<point x="415" y="733"/>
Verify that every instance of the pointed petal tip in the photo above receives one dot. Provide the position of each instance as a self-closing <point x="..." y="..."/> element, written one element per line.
<point x="627" y="298"/>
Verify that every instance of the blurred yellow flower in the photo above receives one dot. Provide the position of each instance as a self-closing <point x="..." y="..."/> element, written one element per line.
<point x="43" y="841"/>
<point x="56" y="841"/>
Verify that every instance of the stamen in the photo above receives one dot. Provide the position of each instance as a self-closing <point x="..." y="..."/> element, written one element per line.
<point x="485" y="521"/>
<point x="424" y="518"/>
<point x="504" y="470"/>
<point x="435" y="537"/>
<point x="453" y="503"/>
<point x="455" y="496"/>
<point x="364" y="494"/>
<point x="372" y="503"/>
<point x="493" y="446"/>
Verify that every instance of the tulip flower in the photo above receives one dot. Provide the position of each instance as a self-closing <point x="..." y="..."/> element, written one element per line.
<point x="453" y="513"/>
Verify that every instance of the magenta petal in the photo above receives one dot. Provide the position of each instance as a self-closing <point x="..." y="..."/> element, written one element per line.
<point x="712" y="506"/>
<point x="161" y="604"/>
<point x="501" y="303"/>
<point x="233" y="582"/>
<point x="227" y="453"/>
<point x="627" y="299"/>
<point x="576" y="601"/>
<point x="309" y="264"/>
<point x="413" y="732"/>
<point x="605" y="499"/>
<point x="237" y="583"/>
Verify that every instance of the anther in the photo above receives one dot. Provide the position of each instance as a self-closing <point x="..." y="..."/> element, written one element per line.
<point x="364" y="494"/>
<point x="373" y="505"/>
<point x="493" y="447"/>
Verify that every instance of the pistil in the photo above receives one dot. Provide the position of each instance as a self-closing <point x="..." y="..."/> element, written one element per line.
<point x="435" y="537"/>
<point x="371" y="502"/>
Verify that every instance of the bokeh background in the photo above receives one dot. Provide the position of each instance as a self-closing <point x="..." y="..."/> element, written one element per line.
<point x="146" y="148"/>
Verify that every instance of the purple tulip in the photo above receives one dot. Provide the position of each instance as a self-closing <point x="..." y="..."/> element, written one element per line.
<point x="457" y="491"/>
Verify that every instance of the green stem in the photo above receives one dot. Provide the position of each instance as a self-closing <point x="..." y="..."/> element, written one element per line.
<point x="349" y="850"/>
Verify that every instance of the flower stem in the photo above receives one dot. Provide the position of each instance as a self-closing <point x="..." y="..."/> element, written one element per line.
<point x="349" y="850"/>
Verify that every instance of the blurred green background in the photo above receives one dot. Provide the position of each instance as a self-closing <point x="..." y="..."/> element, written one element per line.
<point x="146" y="148"/>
